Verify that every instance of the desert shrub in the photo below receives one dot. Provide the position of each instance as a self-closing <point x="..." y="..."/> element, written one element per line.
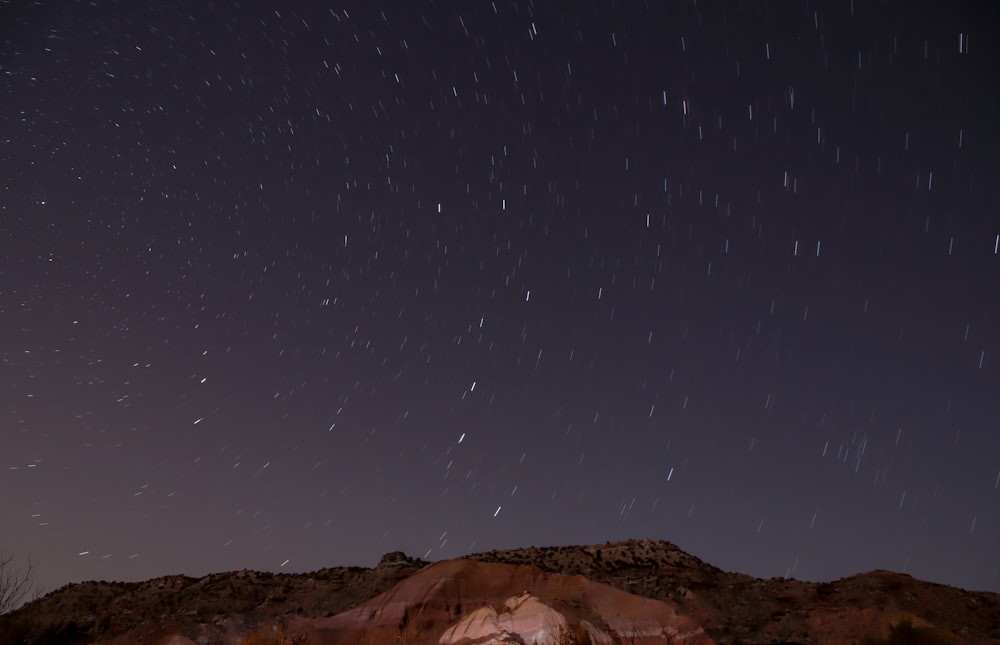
<point x="15" y="584"/>
<point x="577" y="635"/>
<point x="15" y="630"/>
<point x="904" y="633"/>
<point x="19" y="630"/>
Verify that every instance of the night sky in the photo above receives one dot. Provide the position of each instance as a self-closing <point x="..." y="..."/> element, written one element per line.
<point x="290" y="288"/>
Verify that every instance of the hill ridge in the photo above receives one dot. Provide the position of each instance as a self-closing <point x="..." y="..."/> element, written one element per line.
<point x="731" y="607"/>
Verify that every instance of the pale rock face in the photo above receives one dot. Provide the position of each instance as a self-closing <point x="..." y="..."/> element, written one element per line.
<point x="523" y="619"/>
<point x="532" y="620"/>
<point x="481" y="623"/>
<point x="462" y="602"/>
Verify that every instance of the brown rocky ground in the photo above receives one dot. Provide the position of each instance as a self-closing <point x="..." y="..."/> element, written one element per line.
<point x="731" y="608"/>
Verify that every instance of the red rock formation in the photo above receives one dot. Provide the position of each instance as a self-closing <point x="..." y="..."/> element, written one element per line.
<point x="461" y="602"/>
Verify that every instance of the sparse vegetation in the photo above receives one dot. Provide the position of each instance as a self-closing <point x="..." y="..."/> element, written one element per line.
<point x="577" y="635"/>
<point x="15" y="584"/>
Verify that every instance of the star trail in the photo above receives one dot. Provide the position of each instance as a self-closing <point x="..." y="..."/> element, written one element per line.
<point x="290" y="286"/>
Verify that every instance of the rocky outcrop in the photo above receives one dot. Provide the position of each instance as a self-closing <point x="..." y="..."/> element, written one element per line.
<point x="522" y="619"/>
<point x="463" y="602"/>
<point x="526" y="619"/>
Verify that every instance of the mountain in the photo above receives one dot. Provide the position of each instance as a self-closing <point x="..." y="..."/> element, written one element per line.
<point x="638" y="591"/>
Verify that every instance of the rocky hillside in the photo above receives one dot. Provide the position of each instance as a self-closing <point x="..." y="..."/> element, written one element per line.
<point x="735" y="608"/>
<point x="635" y="591"/>
<point x="484" y="602"/>
<point x="92" y="611"/>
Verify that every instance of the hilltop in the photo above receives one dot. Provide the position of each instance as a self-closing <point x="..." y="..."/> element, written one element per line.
<point x="640" y="591"/>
